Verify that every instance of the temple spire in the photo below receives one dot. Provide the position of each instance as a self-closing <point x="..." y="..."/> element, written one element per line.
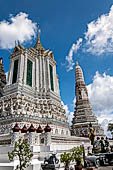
<point x="38" y="44"/>
<point x="38" y="39"/>
<point x="83" y="114"/>
<point x="79" y="73"/>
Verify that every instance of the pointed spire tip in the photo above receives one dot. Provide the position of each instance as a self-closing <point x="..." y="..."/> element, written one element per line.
<point x="38" y="44"/>
<point x="38" y="33"/>
<point x="77" y="63"/>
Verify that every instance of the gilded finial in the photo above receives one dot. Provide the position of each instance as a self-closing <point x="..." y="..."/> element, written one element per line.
<point x="38" y="33"/>
<point x="38" y="44"/>
<point x="77" y="63"/>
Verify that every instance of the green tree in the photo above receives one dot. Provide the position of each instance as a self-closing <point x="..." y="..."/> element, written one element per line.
<point x="23" y="152"/>
<point x="66" y="158"/>
<point x="77" y="154"/>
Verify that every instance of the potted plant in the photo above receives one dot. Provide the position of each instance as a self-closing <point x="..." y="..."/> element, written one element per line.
<point x="66" y="158"/>
<point x="77" y="156"/>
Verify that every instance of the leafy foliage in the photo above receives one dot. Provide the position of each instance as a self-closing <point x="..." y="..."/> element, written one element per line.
<point x="66" y="158"/>
<point x="23" y="152"/>
<point x="77" y="154"/>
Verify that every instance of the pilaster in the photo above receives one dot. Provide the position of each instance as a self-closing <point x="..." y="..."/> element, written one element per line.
<point x="57" y="83"/>
<point x="54" y="77"/>
<point x="44" y="76"/>
<point x="31" y="138"/>
<point x="15" y="137"/>
<point x="40" y="72"/>
<point x="47" y="138"/>
<point x="11" y="72"/>
<point x="21" y="68"/>
<point x="48" y="73"/>
<point x="25" y="69"/>
<point x="33" y="75"/>
<point x="37" y="74"/>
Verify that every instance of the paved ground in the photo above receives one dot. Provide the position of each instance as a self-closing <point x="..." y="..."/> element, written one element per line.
<point x="100" y="168"/>
<point x="104" y="168"/>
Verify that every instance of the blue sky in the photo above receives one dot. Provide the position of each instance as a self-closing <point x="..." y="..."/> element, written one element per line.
<point x="81" y="30"/>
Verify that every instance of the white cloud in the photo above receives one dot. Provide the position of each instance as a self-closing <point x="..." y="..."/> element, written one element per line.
<point x="98" y="39"/>
<point x="19" y="28"/>
<point x="73" y="50"/>
<point x="6" y="76"/>
<point x="70" y="117"/>
<point x="101" y="98"/>
<point x="99" y="36"/>
<point x="68" y="113"/>
<point x="101" y="92"/>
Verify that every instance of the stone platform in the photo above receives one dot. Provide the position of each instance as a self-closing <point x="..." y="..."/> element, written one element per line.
<point x="57" y="144"/>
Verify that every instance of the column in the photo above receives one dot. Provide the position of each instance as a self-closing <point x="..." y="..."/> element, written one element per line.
<point x="48" y="74"/>
<point x="21" y="68"/>
<point x="54" y="78"/>
<point x="33" y="74"/>
<point x="58" y="90"/>
<point x="47" y="138"/>
<point x="31" y="138"/>
<point x="11" y="71"/>
<point x="25" y="69"/>
<point x="37" y="74"/>
<point x="14" y="137"/>
<point x="40" y="72"/>
<point x="44" y="74"/>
